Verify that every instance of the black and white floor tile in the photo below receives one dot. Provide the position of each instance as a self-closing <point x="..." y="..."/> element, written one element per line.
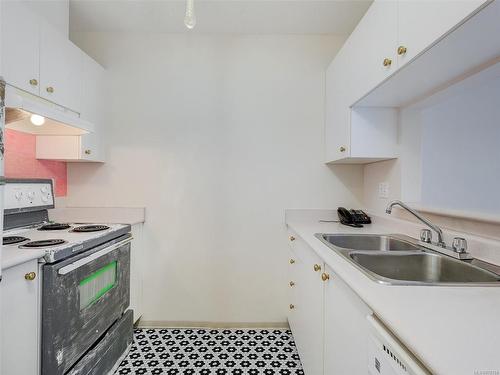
<point x="212" y="351"/>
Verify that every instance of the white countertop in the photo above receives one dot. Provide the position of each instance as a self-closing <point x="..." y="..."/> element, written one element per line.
<point x="452" y="330"/>
<point x="11" y="256"/>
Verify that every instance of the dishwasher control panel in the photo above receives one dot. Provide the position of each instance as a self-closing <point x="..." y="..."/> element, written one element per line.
<point x="387" y="356"/>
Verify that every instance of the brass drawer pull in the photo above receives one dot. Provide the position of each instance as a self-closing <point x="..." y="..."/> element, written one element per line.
<point x="33" y="82"/>
<point x="387" y="62"/>
<point x="292" y="261"/>
<point x="30" y="276"/>
<point x="292" y="307"/>
<point x="317" y="267"/>
<point x="292" y="238"/>
<point x="50" y="89"/>
<point x="325" y="276"/>
<point x="291" y="283"/>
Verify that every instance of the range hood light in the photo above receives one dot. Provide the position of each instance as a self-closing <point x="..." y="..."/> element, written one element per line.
<point x="37" y="120"/>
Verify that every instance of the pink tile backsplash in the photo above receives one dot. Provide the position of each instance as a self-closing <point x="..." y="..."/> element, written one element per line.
<point x="21" y="162"/>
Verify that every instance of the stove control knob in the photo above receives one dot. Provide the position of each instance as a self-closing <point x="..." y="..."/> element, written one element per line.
<point x="44" y="189"/>
<point x="31" y="195"/>
<point x="18" y="195"/>
<point x="45" y="199"/>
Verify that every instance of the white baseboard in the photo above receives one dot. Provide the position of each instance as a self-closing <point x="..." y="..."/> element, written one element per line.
<point x="170" y="324"/>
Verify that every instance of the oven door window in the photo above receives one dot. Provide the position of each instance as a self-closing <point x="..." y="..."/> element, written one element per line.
<point x="96" y="285"/>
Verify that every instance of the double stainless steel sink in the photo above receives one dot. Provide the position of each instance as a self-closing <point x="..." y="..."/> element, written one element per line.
<point x="402" y="260"/>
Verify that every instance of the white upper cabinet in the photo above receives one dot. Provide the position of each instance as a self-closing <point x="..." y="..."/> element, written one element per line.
<point x="389" y="35"/>
<point x="439" y="17"/>
<point x="371" y="48"/>
<point x="38" y="58"/>
<point x="60" y="69"/>
<point x="20" y="46"/>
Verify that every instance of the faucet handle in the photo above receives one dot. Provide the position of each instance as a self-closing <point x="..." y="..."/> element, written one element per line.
<point x="459" y="245"/>
<point x="426" y="235"/>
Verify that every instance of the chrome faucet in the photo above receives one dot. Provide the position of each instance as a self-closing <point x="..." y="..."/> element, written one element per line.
<point x="435" y="228"/>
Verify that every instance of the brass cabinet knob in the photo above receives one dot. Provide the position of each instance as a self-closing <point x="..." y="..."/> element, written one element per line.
<point x="292" y="261"/>
<point x="88" y="152"/>
<point x="317" y="267"/>
<point x="342" y="149"/>
<point x="30" y="276"/>
<point x="291" y="283"/>
<point x="401" y="50"/>
<point x="33" y="82"/>
<point x="292" y="238"/>
<point x="325" y="276"/>
<point x="50" y="89"/>
<point x="292" y="307"/>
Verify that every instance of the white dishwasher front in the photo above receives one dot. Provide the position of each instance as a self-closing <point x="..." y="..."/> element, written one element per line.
<point x="387" y="356"/>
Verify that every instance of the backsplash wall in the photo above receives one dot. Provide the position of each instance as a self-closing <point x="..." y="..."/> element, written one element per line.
<point x="21" y="161"/>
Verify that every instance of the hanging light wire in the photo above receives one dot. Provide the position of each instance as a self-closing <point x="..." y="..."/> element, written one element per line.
<point x="190" y="18"/>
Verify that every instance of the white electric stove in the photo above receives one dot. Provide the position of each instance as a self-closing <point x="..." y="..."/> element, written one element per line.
<point x="86" y="324"/>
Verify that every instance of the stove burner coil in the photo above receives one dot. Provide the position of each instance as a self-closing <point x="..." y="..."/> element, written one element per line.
<point x="90" y="228"/>
<point x="43" y="243"/>
<point x="54" y="226"/>
<point x="10" y="240"/>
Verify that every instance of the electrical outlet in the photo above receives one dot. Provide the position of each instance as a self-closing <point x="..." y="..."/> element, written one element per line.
<point x="383" y="190"/>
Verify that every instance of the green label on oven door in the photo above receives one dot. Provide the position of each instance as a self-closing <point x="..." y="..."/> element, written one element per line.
<point x="97" y="285"/>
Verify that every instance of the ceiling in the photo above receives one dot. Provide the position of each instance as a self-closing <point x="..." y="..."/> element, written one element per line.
<point x="219" y="16"/>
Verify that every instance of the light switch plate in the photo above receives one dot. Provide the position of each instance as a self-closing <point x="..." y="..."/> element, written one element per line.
<point x="383" y="190"/>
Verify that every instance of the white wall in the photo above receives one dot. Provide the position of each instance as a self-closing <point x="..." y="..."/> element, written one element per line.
<point x="216" y="136"/>
<point x="449" y="159"/>
<point x="460" y="151"/>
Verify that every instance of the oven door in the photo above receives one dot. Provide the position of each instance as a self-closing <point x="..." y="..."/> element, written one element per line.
<point x="82" y="297"/>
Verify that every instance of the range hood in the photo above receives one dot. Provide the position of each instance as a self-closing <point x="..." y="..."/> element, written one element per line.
<point x="20" y="106"/>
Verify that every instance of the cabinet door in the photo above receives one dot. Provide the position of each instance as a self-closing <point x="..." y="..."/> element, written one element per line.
<point x="439" y="17"/>
<point x="92" y="78"/>
<point x="19" y="317"/>
<point x="337" y="111"/>
<point x="372" y="41"/>
<point x="306" y="320"/>
<point x="346" y="329"/>
<point x="92" y="147"/>
<point x="60" y="69"/>
<point x="92" y="109"/>
<point x="20" y="33"/>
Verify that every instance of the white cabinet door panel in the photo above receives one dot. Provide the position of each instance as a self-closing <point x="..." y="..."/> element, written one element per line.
<point x="60" y="69"/>
<point x="439" y="17"/>
<point x="20" y="33"/>
<point x="19" y="317"/>
<point x="307" y="314"/>
<point x="346" y="329"/>
<point x="337" y="121"/>
<point x="373" y="40"/>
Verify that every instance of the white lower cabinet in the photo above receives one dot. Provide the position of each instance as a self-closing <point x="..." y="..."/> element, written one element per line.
<point x="346" y="329"/>
<point x="20" y="290"/>
<point x="306" y="306"/>
<point x="328" y="320"/>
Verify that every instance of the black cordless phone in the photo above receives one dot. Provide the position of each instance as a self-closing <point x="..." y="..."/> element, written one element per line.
<point x="353" y="218"/>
